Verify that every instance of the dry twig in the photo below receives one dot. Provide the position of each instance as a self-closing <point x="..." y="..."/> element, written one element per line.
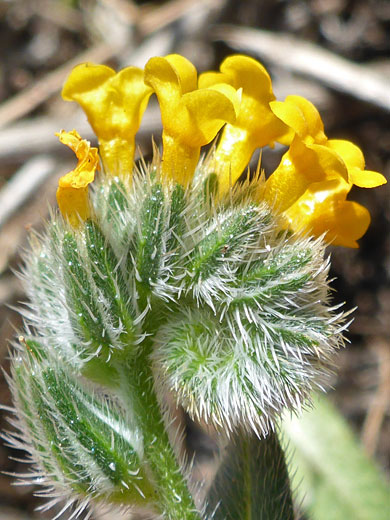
<point x="36" y="136"/>
<point x="23" y="183"/>
<point x="23" y="103"/>
<point x="168" y="13"/>
<point x="308" y="59"/>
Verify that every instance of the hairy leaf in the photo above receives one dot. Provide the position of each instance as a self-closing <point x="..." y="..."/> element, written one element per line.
<point x="252" y="482"/>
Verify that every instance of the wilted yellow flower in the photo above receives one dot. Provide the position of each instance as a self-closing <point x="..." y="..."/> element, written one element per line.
<point x="191" y="117"/>
<point x="72" y="192"/>
<point x="256" y="125"/>
<point x="114" y="104"/>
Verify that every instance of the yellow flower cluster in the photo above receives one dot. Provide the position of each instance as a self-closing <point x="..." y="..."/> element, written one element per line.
<point x="310" y="185"/>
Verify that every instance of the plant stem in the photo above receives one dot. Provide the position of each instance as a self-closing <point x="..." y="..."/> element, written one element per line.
<point x="173" y="497"/>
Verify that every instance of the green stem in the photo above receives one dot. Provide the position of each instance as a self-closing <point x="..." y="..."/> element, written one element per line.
<point x="173" y="497"/>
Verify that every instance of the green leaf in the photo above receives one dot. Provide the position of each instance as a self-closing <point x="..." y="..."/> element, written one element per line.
<point x="226" y="234"/>
<point x="288" y="260"/>
<point x="113" y="211"/>
<point x="279" y="274"/>
<point x="108" y="278"/>
<point x="149" y="243"/>
<point x="83" y="440"/>
<point x="252" y="482"/>
<point x="334" y="478"/>
<point x="86" y="315"/>
<point x="176" y="223"/>
<point x="117" y="201"/>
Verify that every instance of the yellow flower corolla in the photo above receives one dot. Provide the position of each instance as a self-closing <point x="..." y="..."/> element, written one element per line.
<point x="312" y="181"/>
<point x="256" y="125"/>
<point x="191" y="117"/>
<point x="114" y="104"/>
<point x="324" y="210"/>
<point x="304" y="119"/>
<point x="72" y="192"/>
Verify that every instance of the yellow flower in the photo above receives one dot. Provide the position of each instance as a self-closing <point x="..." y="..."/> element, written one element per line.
<point x="312" y="181"/>
<point x="304" y="119"/>
<point x="114" y="104"/>
<point x="72" y="192"/>
<point x="256" y="125"/>
<point x="191" y="117"/>
<point x="323" y="209"/>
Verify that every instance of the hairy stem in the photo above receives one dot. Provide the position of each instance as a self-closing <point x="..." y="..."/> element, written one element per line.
<point x="173" y="498"/>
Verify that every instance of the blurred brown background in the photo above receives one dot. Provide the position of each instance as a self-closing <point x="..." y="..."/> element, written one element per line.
<point x="334" y="52"/>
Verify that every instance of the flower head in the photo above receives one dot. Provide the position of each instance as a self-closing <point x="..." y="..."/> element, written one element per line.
<point x="72" y="192"/>
<point x="309" y="187"/>
<point x="114" y="104"/>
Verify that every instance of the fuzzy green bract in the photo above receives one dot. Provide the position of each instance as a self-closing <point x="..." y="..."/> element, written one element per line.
<point x="162" y="292"/>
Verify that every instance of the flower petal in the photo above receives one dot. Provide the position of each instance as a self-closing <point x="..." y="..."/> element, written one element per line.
<point x="292" y="116"/>
<point x="191" y="117"/>
<point x="302" y="116"/>
<point x="354" y="160"/>
<point x="312" y="117"/>
<point x="255" y="114"/>
<point x="329" y="162"/>
<point x="72" y="192"/>
<point x="350" y="153"/>
<point x="86" y="78"/>
<point x="185" y="71"/>
<point x="255" y="126"/>
<point x="209" y="109"/>
<point x="170" y="77"/>
<point x="323" y="209"/>
<point x="88" y="160"/>
<point x="248" y="74"/>
<point x="365" y="178"/>
<point x="208" y="79"/>
<point x="300" y="166"/>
